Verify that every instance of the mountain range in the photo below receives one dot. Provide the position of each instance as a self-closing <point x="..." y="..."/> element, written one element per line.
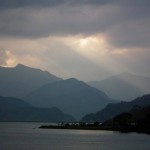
<point x="125" y="86"/>
<point x="42" y="91"/>
<point x="111" y="110"/>
<point x="13" y="109"/>
<point x="71" y="96"/>
<point x="21" y="80"/>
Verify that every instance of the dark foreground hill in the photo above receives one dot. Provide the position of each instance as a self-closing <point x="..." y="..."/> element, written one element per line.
<point x="111" y="110"/>
<point x="137" y="120"/>
<point x="71" y="96"/>
<point x="125" y="86"/>
<point x="21" y="80"/>
<point x="12" y="109"/>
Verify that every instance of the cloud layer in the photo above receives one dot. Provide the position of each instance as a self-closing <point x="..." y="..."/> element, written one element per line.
<point x="75" y="37"/>
<point x="124" y="23"/>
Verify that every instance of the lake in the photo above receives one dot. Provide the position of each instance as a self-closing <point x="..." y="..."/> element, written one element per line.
<point x="27" y="136"/>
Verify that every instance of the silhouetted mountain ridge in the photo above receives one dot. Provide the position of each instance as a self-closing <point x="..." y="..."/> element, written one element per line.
<point x="72" y="96"/>
<point x="125" y="86"/>
<point x="12" y="103"/>
<point x="21" y="80"/>
<point x="111" y="110"/>
<point x="12" y="109"/>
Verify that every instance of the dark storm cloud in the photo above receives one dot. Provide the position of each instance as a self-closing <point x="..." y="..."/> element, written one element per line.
<point x="130" y="34"/>
<point x="61" y="21"/>
<point x="7" y="4"/>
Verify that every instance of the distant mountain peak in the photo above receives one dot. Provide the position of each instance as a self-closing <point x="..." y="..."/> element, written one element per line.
<point x="23" y="67"/>
<point x="71" y="96"/>
<point x="20" y="65"/>
<point x="125" y="86"/>
<point x="23" y="79"/>
<point x="72" y="80"/>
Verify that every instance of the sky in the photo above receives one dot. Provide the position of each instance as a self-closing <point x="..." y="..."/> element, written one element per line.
<point x="85" y="39"/>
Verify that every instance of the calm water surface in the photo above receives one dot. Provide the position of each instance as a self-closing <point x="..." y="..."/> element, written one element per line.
<point x="27" y="136"/>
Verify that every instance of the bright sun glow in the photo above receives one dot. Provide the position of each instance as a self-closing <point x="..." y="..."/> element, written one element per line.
<point x="83" y="42"/>
<point x="11" y="60"/>
<point x="92" y="47"/>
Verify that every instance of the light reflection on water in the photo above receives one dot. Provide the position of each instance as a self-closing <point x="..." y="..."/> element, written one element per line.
<point x="27" y="136"/>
